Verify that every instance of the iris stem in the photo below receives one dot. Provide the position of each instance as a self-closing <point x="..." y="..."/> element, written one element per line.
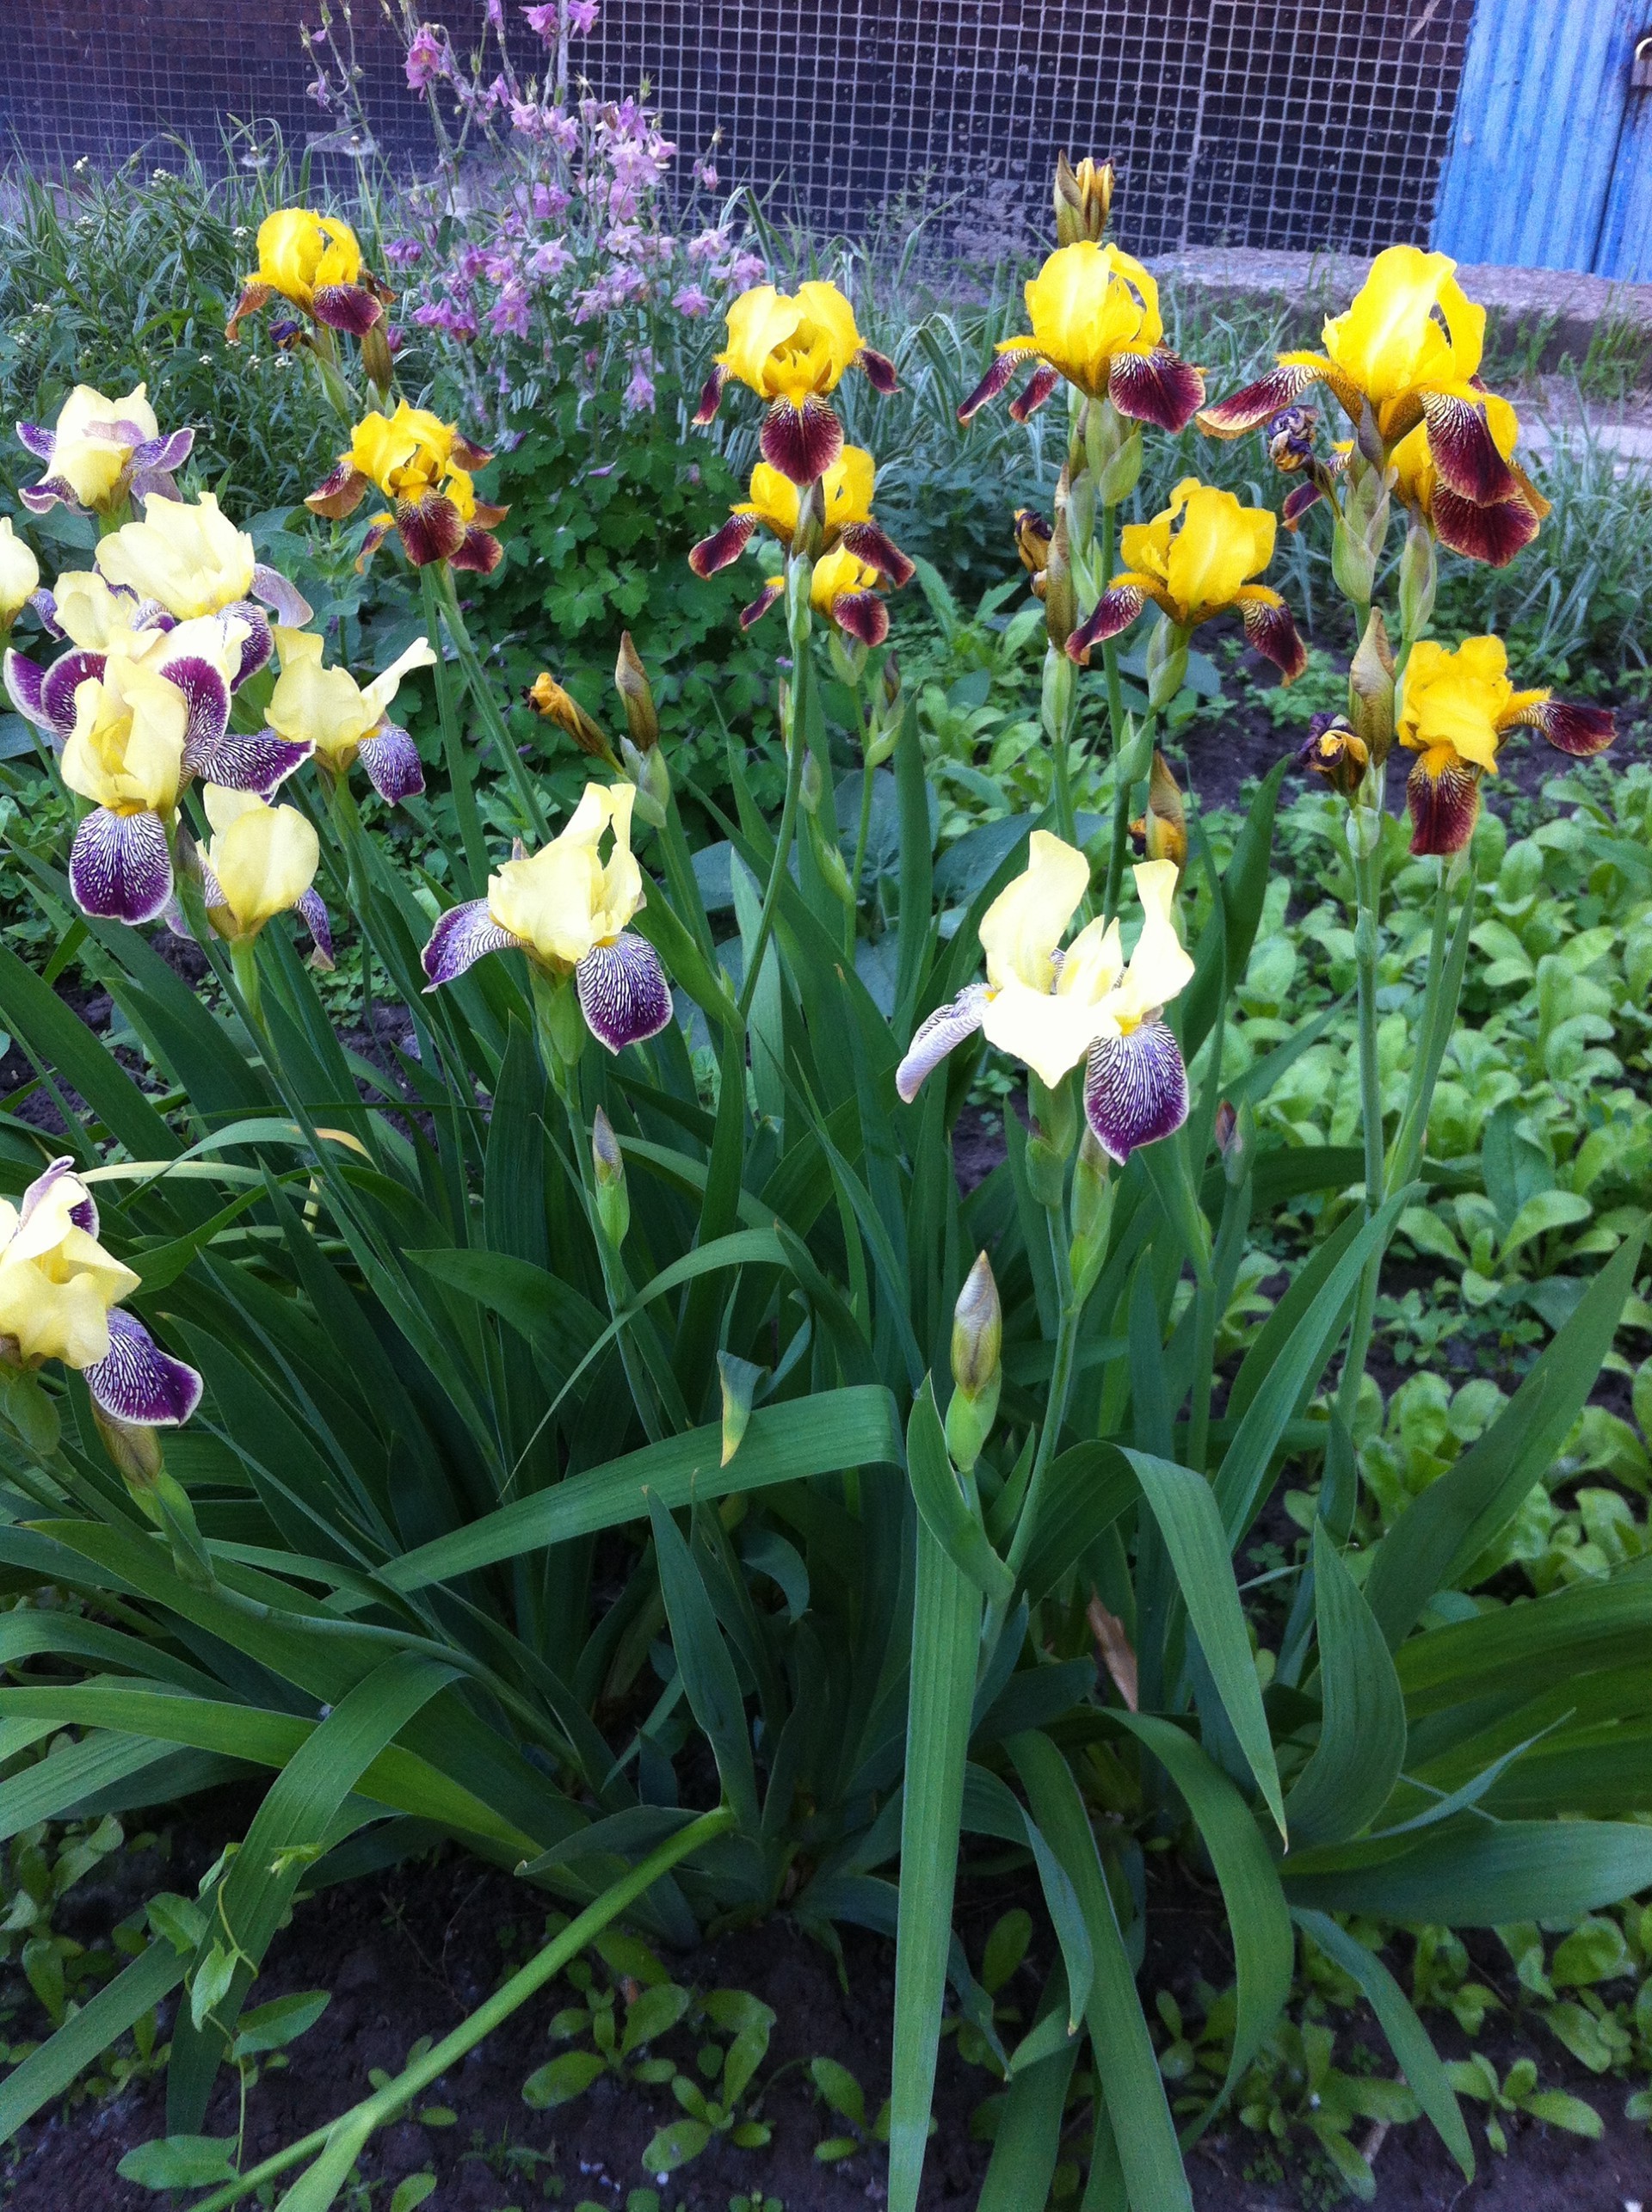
<point x="460" y="780"/>
<point x="1122" y="788"/>
<point x="862" y="837"/>
<point x="488" y="707"/>
<point x="356" y="2126"/>
<point x="244" y="958"/>
<point x="1367" y="890"/>
<point x="1061" y="1383"/>
<point x="796" y="745"/>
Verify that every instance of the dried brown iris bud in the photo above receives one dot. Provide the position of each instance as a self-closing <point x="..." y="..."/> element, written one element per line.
<point x="1336" y="752"/>
<point x="1083" y="198"/>
<point x="547" y="699"/>
<point x="1032" y="536"/>
<point x="636" y="695"/>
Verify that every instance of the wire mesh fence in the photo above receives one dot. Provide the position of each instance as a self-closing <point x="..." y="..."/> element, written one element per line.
<point x="1275" y="123"/>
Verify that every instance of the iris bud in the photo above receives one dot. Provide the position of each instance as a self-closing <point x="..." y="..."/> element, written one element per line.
<point x="136" y="1451"/>
<point x="1083" y="198"/>
<point x="1115" y="482"/>
<point x="553" y="704"/>
<point x="631" y="682"/>
<point x="1167" y="664"/>
<point x="650" y="777"/>
<point x="1060" y="606"/>
<point x="1164" y="825"/>
<point x="808" y="538"/>
<point x="1371" y="689"/>
<point x="1418" y="571"/>
<point x="977" y="1344"/>
<point x="828" y="858"/>
<point x="1092" y="1214"/>
<point x="1353" y="565"/>
<point x="613" y="1199"/>
<point x="376" y="359"/>
<point x="1032" y="536"/>
<point x="1058" y="693"/>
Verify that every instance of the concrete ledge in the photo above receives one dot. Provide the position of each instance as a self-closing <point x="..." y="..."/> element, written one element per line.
<point x="1543" y="314"/>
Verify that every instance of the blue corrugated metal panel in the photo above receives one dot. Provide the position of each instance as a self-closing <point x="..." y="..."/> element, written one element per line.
<point x="1539" y="123"/>
<point x="1625" y="248"/>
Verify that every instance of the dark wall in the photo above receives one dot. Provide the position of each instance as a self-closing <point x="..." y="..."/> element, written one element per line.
<point x="1288" y="123"/>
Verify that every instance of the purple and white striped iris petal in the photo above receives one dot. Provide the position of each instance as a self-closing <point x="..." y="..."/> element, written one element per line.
<point x="623" y="993"/>
<point x="167" y="452"/>
<point x="51" y="491"/>
<point x="25" y="679"/>
<point x="1135" y="1089"/>
<point x="120" y="869"/>
<point x="260" y="763"/>
<point x="63" y="680"/>
<point x="259" y="643"/>
<point x="207" y="704"/>
<point x="461" y="938"/>
<point x="83" y="1214"/>
<point x="38" y="440"/>
<point x="391" y="760"/>
<point x="137" y="1382"/>
<point x="283" y="599"/>
<point x="45" y="604"/>
<point x="317" y="919"/>
<point x="938" y="1034"/>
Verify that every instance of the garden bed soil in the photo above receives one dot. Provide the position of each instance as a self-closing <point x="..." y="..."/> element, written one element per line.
<point x="411" y="1952"/>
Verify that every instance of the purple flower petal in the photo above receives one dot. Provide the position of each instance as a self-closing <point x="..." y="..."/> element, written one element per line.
<point x="25" y="681"/>
<point x="937" y="1035"/>
<point x="623" y="993"/>
<point x="120" y="869"/>
<point x="391" y="760"/>
<point x="460" y="938"/>
<point x="1135" y="1089"/>
<point x="138" y="1382"/>
<point x="283" y="599"/>
<point x="318" y="922"/>
<point x="38" y="440"/>
<point x="63" y="680"/>
<point x="166" y="454"/>
<point x="260" y="763"/>
<point x="256" y="649"/>
<point x="84" y="1215"/>
<point x="51" y="491"/>
<point x="206" y="699"/>
<point x="45" y="611"/>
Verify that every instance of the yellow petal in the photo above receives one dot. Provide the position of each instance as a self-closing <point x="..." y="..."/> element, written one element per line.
<point x="20" y="572"/>
<point x="1391" y="341"/>
<point x="567" y="899"/>
<point x="1218" y="544"/>
<point x="1160" y="968"/>
<point x="125" y="750"/>
<point x="1087" y="303"/>
<point x="323" y="707"/>
<point x="264" y="857"/>
<point x="1025" y="923"/>
<point x="191" y="557"/>
<point x="383" y="688"/>
<point x="1048" y="1034"/>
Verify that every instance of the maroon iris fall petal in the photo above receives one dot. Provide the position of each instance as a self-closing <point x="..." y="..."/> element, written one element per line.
<point x="879" y="370"/>
<point x="348" y="307"/>
<point x="479" y="551"/>
<point x="868" y="544"/>
<point x="1465" y="453"/>
<point x="1040" y="386"/>
<point x="996" y="380"/>
<point x="759" y="606"/>
<point x="432" y="528"/>
<point x="1159" y="387"/>
<point x="137" y="1382"/>
<point x="120" y="868"/>
<point x="862" y="614"/>
<point x="1258" y="403"/>
<point x="1492" y="534"/>
<point x="1575" y="728"/>
<point x="723" y="546"/>
<point x="711" y="397"/>
<point x="1115" y="611"/>
<point x="1444" y="803"/>
<point x="1270" y="632"/>
<point x="1135" y="1089"/>
<point x="623" y="993"/>
<point x="802" y="442"/>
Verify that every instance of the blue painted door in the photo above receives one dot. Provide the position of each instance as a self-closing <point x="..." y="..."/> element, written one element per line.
<point x="1551" y="161"/>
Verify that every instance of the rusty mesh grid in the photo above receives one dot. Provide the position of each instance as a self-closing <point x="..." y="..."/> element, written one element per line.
<point x="1279" y="123"/>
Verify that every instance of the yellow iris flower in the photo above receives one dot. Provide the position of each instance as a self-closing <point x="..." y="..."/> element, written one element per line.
<point x="1457" y="709"/>
<point x="92" y="463"/>
<point x="19" y="575"/>
<point x="314" y="262"/>
<point x="191" y="557"/>
<point x="1052" y="1009"/>
<point x="1194" y="560"/>
<point x="1095" y="321"/>
<point x="125" y="750"/>
<point x="794" y="349"/>
<point x="56" y="1282"/>
<point x="327" y="708"/>
<point x="566" y="899"/>
<point x="852" y="550"/>
<point x="261" y="860"/>
<point x="1405" y="358"/>
<point x="424" y="465"/>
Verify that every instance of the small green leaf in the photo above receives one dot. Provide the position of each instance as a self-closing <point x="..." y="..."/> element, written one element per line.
<point x="1561" y="2110"/>
<point x="840" y="2089"/>
<point x="412" y="2191"/>
<point x="267" y="2027"/>
<point x="1594" y="1951"/>
<point x="655" y="2014"/>
<point x="674" y="2145"/>
<point x="562" y="2080"/>
<point x="179" y="2162"/>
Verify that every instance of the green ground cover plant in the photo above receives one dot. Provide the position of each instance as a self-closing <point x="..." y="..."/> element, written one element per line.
<point x="595" y="1426"/>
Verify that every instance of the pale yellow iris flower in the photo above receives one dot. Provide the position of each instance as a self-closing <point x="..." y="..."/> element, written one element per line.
<point x="190" y="557"/>
<point x="56" y="1282"/>
<point x="565" y="900"/>
<point x="261" y="859"/>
